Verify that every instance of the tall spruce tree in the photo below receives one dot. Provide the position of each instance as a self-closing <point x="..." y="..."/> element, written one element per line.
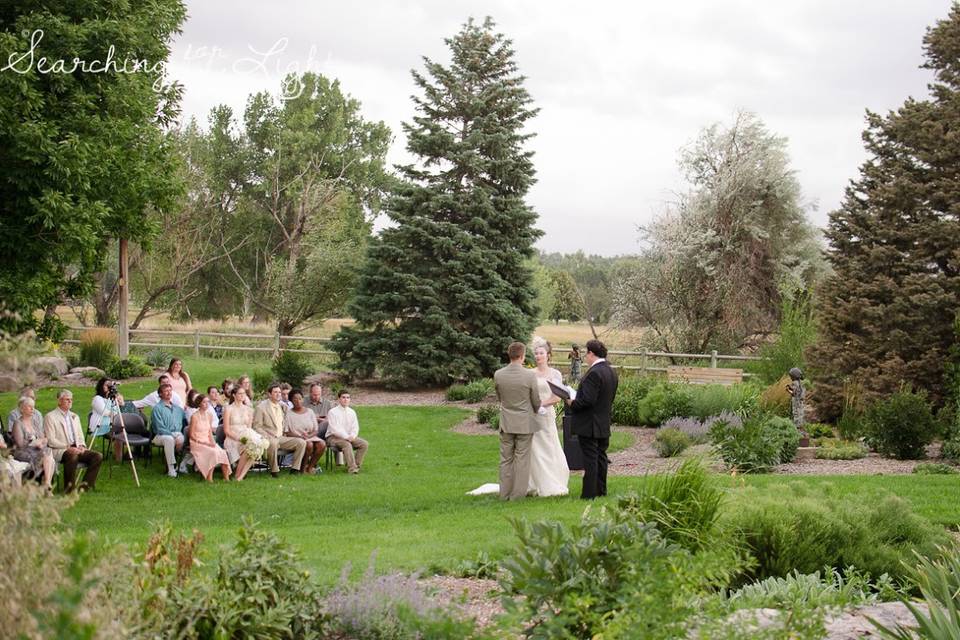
<point x="886" y="315"/>
<point x="445" y="289"/>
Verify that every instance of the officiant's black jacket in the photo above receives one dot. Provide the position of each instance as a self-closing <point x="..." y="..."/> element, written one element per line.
<point x="594" y="403"/>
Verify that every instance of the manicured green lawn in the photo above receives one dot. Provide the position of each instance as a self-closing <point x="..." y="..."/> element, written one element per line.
<point x="408" y="506"/>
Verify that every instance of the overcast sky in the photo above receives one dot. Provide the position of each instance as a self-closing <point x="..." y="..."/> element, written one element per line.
<point x="621" y="86"/>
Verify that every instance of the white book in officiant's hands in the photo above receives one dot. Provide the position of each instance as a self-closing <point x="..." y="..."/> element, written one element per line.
<point x="562" y="391"/>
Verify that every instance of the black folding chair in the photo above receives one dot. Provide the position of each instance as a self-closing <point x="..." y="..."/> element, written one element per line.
<point x="138" y="435"/>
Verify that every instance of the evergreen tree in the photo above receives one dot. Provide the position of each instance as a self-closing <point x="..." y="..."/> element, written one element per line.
<point x="447" y="288"/>
<point x="886" y="315"/>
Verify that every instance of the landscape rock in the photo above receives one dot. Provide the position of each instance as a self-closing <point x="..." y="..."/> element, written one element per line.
<point x="84" y="370"/>
<point x="51" y="366"/>
<point x="9" y="383"/>
<point x="853" y="624"/>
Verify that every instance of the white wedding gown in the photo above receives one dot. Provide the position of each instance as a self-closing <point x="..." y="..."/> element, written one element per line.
<point x="549" y="473"/>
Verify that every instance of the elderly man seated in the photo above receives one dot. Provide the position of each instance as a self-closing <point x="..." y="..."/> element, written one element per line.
<point x="268" y="422"/>
<point x="65" y="439"/>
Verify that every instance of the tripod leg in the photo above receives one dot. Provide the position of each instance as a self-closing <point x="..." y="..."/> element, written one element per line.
<point x="133" y="465"/>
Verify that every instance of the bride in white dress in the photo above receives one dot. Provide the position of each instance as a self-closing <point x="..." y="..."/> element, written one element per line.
<point x="549" y="474"/>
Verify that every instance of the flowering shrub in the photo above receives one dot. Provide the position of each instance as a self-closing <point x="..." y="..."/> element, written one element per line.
<point x="696" y="431"/>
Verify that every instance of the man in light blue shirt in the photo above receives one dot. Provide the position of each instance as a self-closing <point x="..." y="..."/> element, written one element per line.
<point x="167" y="421"/>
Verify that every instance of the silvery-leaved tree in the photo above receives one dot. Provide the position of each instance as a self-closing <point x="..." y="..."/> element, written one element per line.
<point x="716" y="264"/>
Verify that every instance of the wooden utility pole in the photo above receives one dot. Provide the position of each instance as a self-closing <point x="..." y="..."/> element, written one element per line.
<point x="123" y="343"/>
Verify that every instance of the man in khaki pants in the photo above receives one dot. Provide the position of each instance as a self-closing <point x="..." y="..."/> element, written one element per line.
<point x="519" y="402"/>
<point x="268" y="422"/>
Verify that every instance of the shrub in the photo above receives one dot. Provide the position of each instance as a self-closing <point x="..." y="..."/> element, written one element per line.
<point x="75" y="598"/>
<point x="685" y="505"/>
<point x="132" y="367"/>
<point x="670" y="442"/>
<point x="934" y="468"/>
<point x="851" y="425"/>
<point x="751" y="448"/>
<point x="805" y="529"/>
<point x="631" y="389"/>
<point x="291" y="368"/>
<point x="258" y="589"/>
<point x="850" y="587"/>
<point x="585" y="580"/>
<point x="776" y="399"/>
<point x="486" y="412"/>
<point x="832" y="449"/>
<point x="472" y="392"/>
<point x="797" y="332"/>
<point x="691" y="427"/>
<point x="260" y="380"/>
<point x="663" y="401"/>
<point x="787" y="433"/>
<point x="495" y="421"/>
<point x="951" y="450"/>
<point x="98" y="347"/>
<point x="901" y="426"/>
<point x="712" y="399"/>
<point x="817" y="430"/>
<point x="480" y="567"/>
<point x="158" y="358"/>
<point x="727" y="417"/>
<point x="390" y="607"/>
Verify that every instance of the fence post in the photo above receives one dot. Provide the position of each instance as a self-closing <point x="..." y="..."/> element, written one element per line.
<point x="713" y="359"/>
<point x="276" y="345"/>
<point x="643" y="361"/>
<point x="196" y="342"/>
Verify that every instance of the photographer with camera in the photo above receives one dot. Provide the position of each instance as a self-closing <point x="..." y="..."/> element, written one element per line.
<point x="106" y="404"/>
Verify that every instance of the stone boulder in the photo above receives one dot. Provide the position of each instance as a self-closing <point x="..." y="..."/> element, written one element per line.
<point x="50" y="366"/>
<point x="87" y="372"/>
<point x="9" y="383"/>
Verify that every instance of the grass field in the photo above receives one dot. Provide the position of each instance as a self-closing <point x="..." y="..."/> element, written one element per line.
<point x="408" y="507"/>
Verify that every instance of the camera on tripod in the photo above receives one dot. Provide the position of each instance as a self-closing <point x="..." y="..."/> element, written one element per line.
<point x="113" y="388"/>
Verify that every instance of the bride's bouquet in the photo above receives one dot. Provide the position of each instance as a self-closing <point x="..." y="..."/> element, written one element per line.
<point x="254" y="446"/>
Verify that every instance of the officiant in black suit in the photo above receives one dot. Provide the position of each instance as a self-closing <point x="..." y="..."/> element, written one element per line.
<point x="591" y="418"/>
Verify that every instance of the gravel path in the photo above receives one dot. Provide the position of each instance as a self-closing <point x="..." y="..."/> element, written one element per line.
<point x="475" y="597"/>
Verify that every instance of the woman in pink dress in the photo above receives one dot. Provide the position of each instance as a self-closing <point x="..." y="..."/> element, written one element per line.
<point x="206" y="453"/>
<point x="179" y="379"/>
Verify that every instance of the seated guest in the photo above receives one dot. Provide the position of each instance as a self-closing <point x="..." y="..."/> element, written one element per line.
<point x="268" y="422"/>
<point x="101" y="415"/>
<point x="11" y="469"/>
<point x="30" y="443"/>
<point x="285" y="394"/>
<point x="300" y="422"/>
<point x="243" y="445"/>
<point x="320" y="407"/>
<point x="65" y="438"/>
<point x="216" y="402"/>
<point x="206" y="454"/>
<point x="13" y="416"/>
<point x="153" y="398"/>
<point x="226" y="390"/>
<point x="343" y="432"/>
<point x="244" y="381"/>
<point x="192" y="395"/>
<point x="167" y="422"/>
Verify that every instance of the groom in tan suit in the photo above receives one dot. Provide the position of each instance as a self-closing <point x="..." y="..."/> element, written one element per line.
<point x="519" y="402"/>
<point x="268" y="422"/>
